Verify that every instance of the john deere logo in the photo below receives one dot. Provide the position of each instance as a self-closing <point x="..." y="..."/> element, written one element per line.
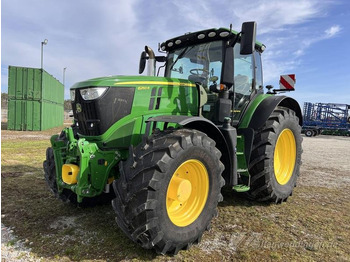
<point x="78" y="108"/>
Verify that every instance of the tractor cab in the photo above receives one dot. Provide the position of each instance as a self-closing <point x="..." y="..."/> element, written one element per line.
<point x="216" y="60"/>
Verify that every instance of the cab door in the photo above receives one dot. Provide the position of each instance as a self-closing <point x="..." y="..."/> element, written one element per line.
<point x="247" y="80"/>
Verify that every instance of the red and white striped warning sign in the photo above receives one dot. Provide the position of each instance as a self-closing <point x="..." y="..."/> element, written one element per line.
<point x="287" y="82"/>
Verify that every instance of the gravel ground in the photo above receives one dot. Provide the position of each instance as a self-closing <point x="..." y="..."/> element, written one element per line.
<point x="13" y="249"/>
<point x="326" y="163"/>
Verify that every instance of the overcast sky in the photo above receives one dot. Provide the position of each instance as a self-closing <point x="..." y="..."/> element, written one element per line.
<point x="99" y="38"/>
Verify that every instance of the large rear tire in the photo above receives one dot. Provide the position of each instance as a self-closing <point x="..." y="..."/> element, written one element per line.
<point x="276" y="157"/>
<point x="169" y="189"/>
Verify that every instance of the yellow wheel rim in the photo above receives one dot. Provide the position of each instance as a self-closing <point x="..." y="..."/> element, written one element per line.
<point x="187" y="192"/>
<point x="284" y="156"/>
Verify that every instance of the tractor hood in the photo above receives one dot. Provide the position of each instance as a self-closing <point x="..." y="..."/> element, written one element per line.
<point x="100" y="102"/>
<point x="115" y="81"/>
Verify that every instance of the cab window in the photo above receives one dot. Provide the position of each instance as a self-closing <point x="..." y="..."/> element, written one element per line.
<point x="199" y="63"/>
<point x="258" y="71"/>
<point x="243" y="80"/>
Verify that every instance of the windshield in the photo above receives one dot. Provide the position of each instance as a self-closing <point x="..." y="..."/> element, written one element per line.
<point x="198" y="63"/>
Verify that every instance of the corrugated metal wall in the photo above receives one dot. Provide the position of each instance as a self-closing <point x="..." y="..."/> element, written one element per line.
<point x="35" y="99"/>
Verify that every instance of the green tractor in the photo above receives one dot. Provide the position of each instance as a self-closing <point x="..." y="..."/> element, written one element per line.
<point x="162" y="148"/>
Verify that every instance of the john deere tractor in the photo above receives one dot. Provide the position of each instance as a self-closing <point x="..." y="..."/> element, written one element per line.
<point x="162" y="148"/>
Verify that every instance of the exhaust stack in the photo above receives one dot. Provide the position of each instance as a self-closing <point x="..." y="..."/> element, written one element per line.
<point x="151" y="67"/>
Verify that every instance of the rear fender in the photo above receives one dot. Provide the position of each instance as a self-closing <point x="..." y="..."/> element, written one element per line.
<point x="268" y="105"/>
<point x="262" y="112"/>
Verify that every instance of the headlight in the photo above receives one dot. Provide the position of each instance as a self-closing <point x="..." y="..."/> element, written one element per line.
<point x="92" y="93"/>
<point x="72" y="95"/>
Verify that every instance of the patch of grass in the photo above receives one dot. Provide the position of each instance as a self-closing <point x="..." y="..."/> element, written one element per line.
<point x="275" y="256"/>
<point x="313" y="225"/>
<point x="11" y="242"/>
<point x="22" y="156"/>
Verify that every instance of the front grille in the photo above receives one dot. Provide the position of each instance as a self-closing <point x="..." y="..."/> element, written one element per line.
<point x="94" y="117"/>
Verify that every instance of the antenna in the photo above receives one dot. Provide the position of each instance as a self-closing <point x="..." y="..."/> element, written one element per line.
<point x="230" y="34"/>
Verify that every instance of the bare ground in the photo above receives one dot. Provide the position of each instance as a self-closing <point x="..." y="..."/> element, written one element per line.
<point x="313" y="225"/>
<point x="326" y="162"/>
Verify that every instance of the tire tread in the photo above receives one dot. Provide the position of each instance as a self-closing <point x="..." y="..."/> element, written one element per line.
<point x="137" y="186"/>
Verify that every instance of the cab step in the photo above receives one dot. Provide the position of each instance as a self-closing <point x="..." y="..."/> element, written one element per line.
<point x="241" y="188"/>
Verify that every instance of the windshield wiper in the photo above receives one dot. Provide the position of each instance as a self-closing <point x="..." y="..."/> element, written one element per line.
<point x="185" y="51"/>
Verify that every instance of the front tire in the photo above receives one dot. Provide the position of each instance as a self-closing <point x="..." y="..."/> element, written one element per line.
<point x="50" y="178"/>
<point x="276" y="157"/>
<point x="169" y="189"/>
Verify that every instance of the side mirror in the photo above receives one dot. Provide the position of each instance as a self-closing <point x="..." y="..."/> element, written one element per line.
<point x="248" y="38"/>
<point x="142" y="64"/>
<point x="227" y="72"/>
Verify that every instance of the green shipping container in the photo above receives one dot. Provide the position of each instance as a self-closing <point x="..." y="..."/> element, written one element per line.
<point x="35" y="100"/>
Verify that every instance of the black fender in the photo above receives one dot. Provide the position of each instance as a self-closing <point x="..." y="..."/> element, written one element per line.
<point x="266" y="107"/>
<point x="208" y="127"/>
<point x="260" y="116"/>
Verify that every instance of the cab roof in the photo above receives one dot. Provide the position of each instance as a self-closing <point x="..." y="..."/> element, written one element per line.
<point x="203" y="36"/>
